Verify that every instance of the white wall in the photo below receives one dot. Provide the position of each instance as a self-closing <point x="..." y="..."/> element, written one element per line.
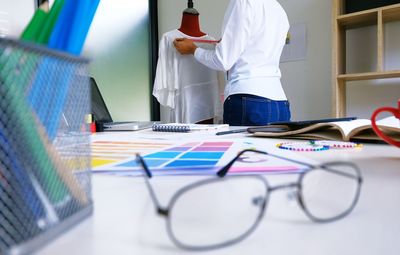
<point x="308" y="83"/>
<point x="14" y="16"/>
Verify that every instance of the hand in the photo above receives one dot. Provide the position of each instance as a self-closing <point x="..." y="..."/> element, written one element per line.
<point x="185" y="46"/>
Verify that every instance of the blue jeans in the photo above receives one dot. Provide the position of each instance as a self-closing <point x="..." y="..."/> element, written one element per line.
<point x="250" y="110"/>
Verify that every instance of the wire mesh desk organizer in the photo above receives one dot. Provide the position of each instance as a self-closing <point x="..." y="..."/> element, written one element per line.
<point x="45" y="183"/>
<point x="217" y="212"/>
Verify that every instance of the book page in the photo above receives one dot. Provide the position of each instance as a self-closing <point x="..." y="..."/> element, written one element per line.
<point x="389" y="122"/>
<point x="348" y="126"/>
<point x="388" y="125"/>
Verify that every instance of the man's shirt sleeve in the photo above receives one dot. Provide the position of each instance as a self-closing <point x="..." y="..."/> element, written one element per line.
<point x="235" y="36"/>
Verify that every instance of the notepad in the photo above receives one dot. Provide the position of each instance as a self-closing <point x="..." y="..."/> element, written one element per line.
<point x="180" y="127"/>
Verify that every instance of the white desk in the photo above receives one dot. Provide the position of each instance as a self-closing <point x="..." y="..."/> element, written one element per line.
<point x="124" y="221"/>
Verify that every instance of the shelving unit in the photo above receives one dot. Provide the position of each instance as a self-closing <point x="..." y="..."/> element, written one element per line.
<point x="341" y="22"/>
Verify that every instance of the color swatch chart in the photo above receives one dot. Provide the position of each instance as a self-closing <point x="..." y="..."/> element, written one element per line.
<point x="106" y="152"/>
<point x="191" y="155"/>
<point x="197" y="158"/>
<point x="202" y="156"/>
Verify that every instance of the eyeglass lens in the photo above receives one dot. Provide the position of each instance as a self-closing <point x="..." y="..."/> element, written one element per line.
<point x="217" y="212"/>
<point x="330" y="193"/>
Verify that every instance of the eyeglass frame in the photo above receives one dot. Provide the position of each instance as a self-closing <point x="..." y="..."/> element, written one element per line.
<point x="165" y="211"/>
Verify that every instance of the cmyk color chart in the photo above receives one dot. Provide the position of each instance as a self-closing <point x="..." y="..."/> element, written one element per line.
<point x="199" y="158"/>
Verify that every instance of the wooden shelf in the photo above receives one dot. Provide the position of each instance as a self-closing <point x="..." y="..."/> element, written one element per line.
<point x="358" y="19"/>
<point x="369" y="76"/>
<point x="341" y="22"/>
<point x="369" y="17"/>
<point x="392" y="13"/>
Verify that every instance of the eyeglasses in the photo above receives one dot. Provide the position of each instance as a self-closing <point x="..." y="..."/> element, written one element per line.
<point x="223" y="210"/>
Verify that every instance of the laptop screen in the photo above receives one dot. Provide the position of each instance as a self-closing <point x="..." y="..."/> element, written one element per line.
<point x="99" y="107"/>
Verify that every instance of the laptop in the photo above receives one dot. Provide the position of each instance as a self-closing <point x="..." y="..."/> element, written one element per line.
<point x="102" y="116"/>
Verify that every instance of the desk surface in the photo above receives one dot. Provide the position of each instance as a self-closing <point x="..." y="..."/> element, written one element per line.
<point x="124" y="220"/>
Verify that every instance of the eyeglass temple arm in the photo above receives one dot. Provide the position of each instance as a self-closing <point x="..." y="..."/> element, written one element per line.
<point x="147" y="176"/>
<point x="225" y="169"/>
<point x="358" y="177"/>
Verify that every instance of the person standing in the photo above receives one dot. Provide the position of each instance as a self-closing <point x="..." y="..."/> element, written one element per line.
<point x="253" y="36"/>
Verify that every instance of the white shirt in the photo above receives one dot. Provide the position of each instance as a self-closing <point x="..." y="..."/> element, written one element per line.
<point x="253" y="36"/>
<point x="187" y="89"/>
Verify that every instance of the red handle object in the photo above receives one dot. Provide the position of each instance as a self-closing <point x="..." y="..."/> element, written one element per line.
<point x="396" y="113"/>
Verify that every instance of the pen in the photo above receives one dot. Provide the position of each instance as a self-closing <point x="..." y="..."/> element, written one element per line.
<point x="232" y="131"/>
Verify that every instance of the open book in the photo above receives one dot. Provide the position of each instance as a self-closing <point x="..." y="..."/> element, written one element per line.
<point x="359" y="129"/>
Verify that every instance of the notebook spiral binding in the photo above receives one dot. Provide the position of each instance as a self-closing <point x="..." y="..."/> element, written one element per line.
<point x="171" y="128"/>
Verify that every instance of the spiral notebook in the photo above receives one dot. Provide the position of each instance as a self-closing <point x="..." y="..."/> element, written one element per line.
<point x="180" y="127"/>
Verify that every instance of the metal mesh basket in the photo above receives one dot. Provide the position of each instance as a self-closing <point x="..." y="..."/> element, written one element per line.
<point x="44" y="145"/>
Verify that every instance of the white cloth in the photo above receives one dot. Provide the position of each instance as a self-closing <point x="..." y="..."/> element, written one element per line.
<point x="187" y="88"/>
<point x="253" y="36"/>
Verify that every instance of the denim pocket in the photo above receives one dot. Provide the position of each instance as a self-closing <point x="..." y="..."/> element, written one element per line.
<point x="255" y="111"/>
<point x="261" y="111"/>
